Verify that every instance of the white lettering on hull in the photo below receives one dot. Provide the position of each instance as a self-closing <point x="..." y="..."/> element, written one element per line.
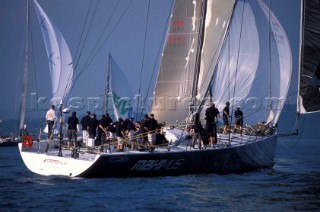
<point x="146" y="165"/>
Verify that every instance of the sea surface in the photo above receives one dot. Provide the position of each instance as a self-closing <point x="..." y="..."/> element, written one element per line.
<point x="293" y="184"/>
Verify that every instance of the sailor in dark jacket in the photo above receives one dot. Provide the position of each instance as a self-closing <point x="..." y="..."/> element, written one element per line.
<point x="73" y="123"/>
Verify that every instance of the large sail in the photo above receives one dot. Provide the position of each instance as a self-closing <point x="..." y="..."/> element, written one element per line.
<point x="122" y="93"/>
<point x="218" y="14"/>
<point x="236" y="71"/>
<point x="175" y="78"/>
<point x="309" y="77"/>
<point x="254" y="70"/>
<point x="59" y="56"/>
<point x="280" y="73"/>
<point x="23" y="103"/>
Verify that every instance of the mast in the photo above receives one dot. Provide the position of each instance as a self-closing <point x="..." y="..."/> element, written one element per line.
<point x="198" y="58"/>
<point x="299" y="101"/>
<point x="107" y="89"/>
<point x="25" y="76"/>
<point x="269" y="52"/>
<point x="175" y="87"/>
<point x="271" y="115"/>
<point x="217" y="22"/>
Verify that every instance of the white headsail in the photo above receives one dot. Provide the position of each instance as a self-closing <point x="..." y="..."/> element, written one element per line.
<point x="236" y="70"/>
<point x="255" y="72"/>
<point x="59" y="56"/>
<point x="281" y="63"/>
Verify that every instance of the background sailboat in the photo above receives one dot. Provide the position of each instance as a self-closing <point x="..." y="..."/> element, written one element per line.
<point x="59" y="58"/>
<point x="120" y="91"/>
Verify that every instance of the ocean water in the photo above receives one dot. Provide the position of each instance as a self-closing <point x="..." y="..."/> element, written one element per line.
<point x="293" y="184"/>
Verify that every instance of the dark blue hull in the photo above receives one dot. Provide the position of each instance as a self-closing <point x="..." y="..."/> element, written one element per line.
<point x="237" y="159"/>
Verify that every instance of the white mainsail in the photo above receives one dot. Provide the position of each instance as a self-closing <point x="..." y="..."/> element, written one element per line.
<point x="309" y="76"/>
<point x="122" y="93"/>
<point x="59" y="56"/>
<point x="189" y="33"/>
<point x="177" y="69"/>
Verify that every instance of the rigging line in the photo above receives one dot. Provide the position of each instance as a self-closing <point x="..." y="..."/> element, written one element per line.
<point x="69" y="83"/>
<point x="107" y="88"/>
<point x="90" y="59"/>
<point x="220" y="55"/>
<point x="86" y="36"/>
<point x="24" y="91"/>
<point x="19" y="74"/>
<point x="143" y="55"/>
<point x="263" y="108"/>
<point x="229" y="92"/>
<point x="225" y="45"/>
<point x="84" y="26"/>
<point x="197" y="65"/>
<point x="103" y="31"/>
<point x="229" y="64"/>
<point x="228" y="35"/>
<point x="239" y="47"/>
<point x="298" y="138"/>
<point x="96" y="44"/>
<point x="159" y="51"/>
<point x="34" y="73"/>
<point x="301" y="52"/>
<point x="211" y="63"/>
<point x="269" y="55"/>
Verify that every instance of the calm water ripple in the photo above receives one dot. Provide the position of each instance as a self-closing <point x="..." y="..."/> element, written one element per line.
<point x="292" y="185"/>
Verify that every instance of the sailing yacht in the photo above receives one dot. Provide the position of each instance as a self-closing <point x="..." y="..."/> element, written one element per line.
<point x="215" y="51"/>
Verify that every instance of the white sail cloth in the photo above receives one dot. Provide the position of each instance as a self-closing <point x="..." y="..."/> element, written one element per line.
<point x="59" y="56"/>
<point x="254" y="70"/>
<point x="122" y="93"/>
<point x="196" y="28"/>
<point x="216" y="24"/>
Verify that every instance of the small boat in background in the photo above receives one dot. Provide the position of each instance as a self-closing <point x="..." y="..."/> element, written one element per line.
<point x="9" y="141"/>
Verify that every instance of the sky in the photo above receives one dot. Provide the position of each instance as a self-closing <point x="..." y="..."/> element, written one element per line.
<point x="133" y="46"/>
<point x="134" y="38"/>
